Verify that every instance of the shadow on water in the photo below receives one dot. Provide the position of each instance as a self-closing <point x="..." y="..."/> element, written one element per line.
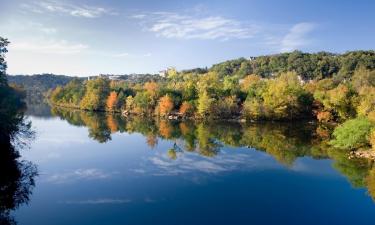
<point x="16" y="175"/>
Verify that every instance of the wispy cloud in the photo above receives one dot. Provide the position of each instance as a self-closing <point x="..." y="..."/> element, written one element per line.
<point x="67" y="9"/>
<point x="190" y="163"/>
<point x="297" y="36"/>
<point x="48" y="46"/>
<point x="79" y="174"/>
<point x="184" y="26"/>
<point x="97" y="201"/>
<point x="130" y="55"/>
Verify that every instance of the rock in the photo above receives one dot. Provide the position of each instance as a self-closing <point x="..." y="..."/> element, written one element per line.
<point x="364" y="154"/>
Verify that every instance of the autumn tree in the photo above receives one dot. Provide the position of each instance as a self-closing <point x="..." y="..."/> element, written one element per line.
<point x="112" y="101"/>
<point x="249" y="81"/>
<point x="204" y="104"/>
<point x="165" y="105"/>
<point x="186" y="109"/>
<point x="96" y="94"/>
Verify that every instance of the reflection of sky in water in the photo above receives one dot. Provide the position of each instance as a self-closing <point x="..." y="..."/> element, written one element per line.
<point x="126" y="182"/>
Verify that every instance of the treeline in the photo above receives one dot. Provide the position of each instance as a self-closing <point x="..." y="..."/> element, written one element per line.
<point x="225" y="91"/>
<point x="310" y="66"/>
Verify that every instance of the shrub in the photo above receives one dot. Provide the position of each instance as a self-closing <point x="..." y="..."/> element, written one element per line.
<point x="352" y="134"/>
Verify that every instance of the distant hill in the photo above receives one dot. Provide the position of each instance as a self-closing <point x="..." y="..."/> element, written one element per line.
<point x="38" y="84"/>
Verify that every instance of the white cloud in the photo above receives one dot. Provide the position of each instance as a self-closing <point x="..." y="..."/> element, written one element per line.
<point x="121" y="54"/>
<point x="181" y="26"/>
<point x="296" y="37"/>
<point x="138" y="16"/>
<point x="48" y="46"/>
<point x="67" y="9"/>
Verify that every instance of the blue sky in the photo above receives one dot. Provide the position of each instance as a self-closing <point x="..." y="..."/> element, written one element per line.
<point x="91" y="37"/>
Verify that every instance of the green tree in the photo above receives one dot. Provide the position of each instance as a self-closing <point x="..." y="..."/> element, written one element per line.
<point x="204" y="104"/>
<point x="96" y="94"/>
<point x="352" y="134"/>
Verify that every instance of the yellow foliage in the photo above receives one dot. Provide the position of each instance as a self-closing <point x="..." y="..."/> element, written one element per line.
<point x="249" y="81"/>
<point x="371" y="116"/>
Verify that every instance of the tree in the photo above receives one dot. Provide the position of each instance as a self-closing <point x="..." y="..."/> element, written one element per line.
<point x="96" y="94"/>
<point x="204" y="104"/>
<point x="3" y="65"/>
<point x="186" y="109"/>
<point x="112" y="101"/>
<point x="165" y="105"/>
<point x="249" y="82"/>
<point x="129" y="106"/>
<point x="253" y="109"/>
<point x="142" y="104"/>
<point x="285" y="98"/>
<point x="225" y="107"/>
<point x="152" y="89"/>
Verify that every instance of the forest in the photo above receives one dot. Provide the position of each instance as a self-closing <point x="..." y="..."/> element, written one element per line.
<point x="333" y="88"/>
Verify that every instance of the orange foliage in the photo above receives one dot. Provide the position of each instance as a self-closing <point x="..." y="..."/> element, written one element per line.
<point x="184" y="128"/>
<point x="112" y="100"/>
<point x="112" y="124"/>
<point x="165" y="105"/>
<point x="152" y="140"/>
<point x="324" y="116"/>
<point x="151" y="88"/>
<point x="165" y="129"/>
<point x="322" y="132"/>
<point x="186" y="108"/>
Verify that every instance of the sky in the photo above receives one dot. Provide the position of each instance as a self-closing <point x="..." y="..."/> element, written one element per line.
<point x="90" y="37"/>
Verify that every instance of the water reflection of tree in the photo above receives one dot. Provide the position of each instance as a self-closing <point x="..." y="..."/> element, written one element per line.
<point x="16" y="182"/>
<point x="16" y="176"/>
<point x="285" y="142"/>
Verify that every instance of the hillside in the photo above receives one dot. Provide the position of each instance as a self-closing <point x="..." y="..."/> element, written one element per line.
<point x="36" y="85"/>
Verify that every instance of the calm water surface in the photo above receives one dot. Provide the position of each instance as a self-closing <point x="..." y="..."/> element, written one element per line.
<point x="102" y="169"/>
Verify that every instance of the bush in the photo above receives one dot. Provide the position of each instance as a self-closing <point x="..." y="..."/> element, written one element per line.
<point x="352" y="134"/>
